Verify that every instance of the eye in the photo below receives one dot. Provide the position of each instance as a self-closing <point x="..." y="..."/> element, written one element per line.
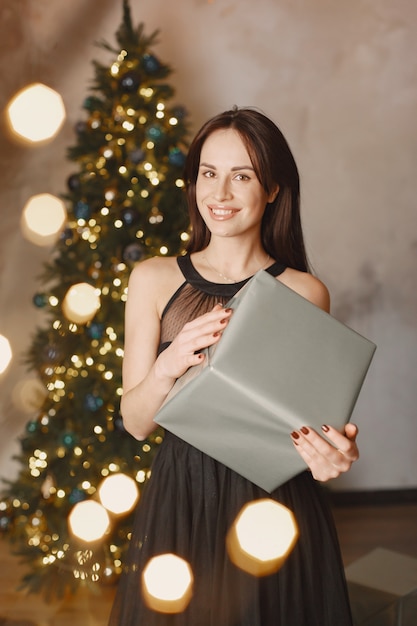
<point x="242" y="177"/>
<point x="207" y="173"/>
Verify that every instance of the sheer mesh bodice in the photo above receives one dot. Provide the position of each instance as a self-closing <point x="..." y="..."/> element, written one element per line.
<point x="197" y="296"/>
<point x="189" y="504"/>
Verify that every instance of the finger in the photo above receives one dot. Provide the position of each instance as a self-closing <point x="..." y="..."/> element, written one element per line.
<point x="341" y="441"/>
<point x="351" y="431"/>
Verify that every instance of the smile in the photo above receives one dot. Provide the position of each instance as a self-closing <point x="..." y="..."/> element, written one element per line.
<point x="222" y="212"/>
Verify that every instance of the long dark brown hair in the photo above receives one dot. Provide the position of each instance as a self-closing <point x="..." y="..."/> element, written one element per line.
<point x="273" y="162"/>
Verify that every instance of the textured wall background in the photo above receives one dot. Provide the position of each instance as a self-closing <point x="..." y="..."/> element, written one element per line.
<point x="340" y="79"/>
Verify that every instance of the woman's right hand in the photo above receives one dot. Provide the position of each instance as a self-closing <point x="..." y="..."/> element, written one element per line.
<point x="184" y="351"/>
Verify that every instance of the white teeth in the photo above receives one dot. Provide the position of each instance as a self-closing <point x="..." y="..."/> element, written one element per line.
<point x="222" y="211"/>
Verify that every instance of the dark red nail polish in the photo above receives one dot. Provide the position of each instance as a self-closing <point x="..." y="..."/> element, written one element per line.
<point x="295" y="435"/>
<point x="216" y="334"/>
<point x="325" y="428"/>
<point x="304" y="430"/>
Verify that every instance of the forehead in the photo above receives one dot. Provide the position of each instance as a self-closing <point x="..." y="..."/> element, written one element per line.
<point x="223" y="146"/>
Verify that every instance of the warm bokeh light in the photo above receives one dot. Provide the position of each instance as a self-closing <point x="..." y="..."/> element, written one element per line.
<point x="81" y="303"/>
<point x="28" y="394"/>
<point x="89" y="520"/>
<point x="118" y="493"/>
<point x="36" y="113"/>
<point x="262" y="536"/>
<point x="43" y="217"/>
<point x="5" y="354"/>
<point x="167" y="583"/>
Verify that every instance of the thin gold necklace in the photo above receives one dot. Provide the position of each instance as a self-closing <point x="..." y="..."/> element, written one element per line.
<point x="232" y="280"/>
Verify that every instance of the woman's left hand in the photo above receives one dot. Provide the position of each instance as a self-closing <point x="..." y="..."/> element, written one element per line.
<point x="325" y="460"/>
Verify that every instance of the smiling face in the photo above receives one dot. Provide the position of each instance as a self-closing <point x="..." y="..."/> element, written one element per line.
<point x="229" y="196"/>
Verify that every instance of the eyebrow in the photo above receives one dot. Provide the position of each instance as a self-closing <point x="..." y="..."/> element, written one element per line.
<point x="233" y="169"/>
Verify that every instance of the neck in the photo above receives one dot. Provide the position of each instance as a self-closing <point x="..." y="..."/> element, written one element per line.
<point x="233" y="266"/>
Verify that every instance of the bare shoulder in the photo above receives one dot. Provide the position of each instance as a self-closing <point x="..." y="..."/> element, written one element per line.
<point x="156" y="278"/>
<point x="308" y="286"/>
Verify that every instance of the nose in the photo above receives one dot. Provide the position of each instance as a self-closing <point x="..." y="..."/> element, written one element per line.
<point x="223" y="189"/>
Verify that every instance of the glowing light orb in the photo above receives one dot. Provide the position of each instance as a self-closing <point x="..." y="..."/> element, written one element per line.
<point x="29" y="394"/>
<point x="81" y="303"/>
<point x="5" y="354"/>
<point x="118" y="493"/>
<point x="262" y="536"/>
<point x="167" y="583"/>
<point x="36" y="113"/>
<point x="43" y="217"/>
<point x="89" y="520"/>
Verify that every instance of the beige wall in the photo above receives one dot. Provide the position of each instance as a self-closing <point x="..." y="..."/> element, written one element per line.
<point x="340" y="79"/>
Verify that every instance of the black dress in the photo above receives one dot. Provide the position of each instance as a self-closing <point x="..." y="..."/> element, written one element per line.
<point x="191" y="500"/>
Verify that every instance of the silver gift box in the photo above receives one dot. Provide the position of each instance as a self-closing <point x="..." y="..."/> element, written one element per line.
<point x="281" y="363"/>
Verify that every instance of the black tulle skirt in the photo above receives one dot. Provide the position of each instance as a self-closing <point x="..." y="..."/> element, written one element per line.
<point x="187" y="508"/>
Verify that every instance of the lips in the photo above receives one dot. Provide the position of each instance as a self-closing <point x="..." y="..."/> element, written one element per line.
<point x="222" y="213"/>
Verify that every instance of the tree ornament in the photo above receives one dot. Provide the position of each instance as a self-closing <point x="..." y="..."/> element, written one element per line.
<point x="95" y="330"/>
<point x="154" y="133"/>
<point x="92" y="103"/>
<point x="176" y="157"/>
<point x="179" y="112"/>
<point x="133" y="253"/>
<point x="137" y="155"/>
<point x="129" y="216"/>
<point x="68" y="439"/>
<point x="150" y="63"/>
<point x="77" y="495"/>
<point x="32" y="427"/>
<point x="93" y="402"/>
<point x="80" y="127"/>
<point x="82" y="211"/>
<point x="51" y="353"/>
<point x="130" y="81"/>
<point x="118" y="423"/>
<point x="40" y="300"/>
<point x="73" y="182"/>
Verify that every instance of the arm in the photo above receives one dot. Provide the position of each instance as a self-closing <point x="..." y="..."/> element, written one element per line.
<point x="326" y="461"/>
<point x="147" y="379"/>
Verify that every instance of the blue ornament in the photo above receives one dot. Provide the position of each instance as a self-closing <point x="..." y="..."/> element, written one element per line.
<point x="32" y="427"/>
<point x="80" y="127"/>
<point x="118" y="424"/>
<point x="82" y="210"/>
<point x="95" y="330"/>
<point x="66" y="235"/>
<point x="133" y="253"/>
<point x="179" y="112"/>
<point x="150" y="63"/>
<point x="93" y="402"/>
<point x="130" y="81"/>
<point x="73" y="182"/>
<point x="129" y="216"/>
<point x="77" y="495"/>
<point x="155" y="133"/>
<point x="68" y="439"/>
<point x="176" y="157"/>
<point x="137" y="155"/>
<point x="40" y="300"/>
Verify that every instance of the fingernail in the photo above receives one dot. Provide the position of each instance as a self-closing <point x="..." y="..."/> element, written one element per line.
<point x="216" y="334"/>
<point x="223" y="321"/>
<point x="228" y="310"/>
<point x="295" y="435"/>
<point x="304" y="430"/>
<point x="325" y="428"/>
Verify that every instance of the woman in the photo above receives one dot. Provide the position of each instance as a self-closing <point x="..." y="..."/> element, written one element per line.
<point x="243" y="198"/>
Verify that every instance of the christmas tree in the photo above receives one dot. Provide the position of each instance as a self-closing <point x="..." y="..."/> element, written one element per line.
<point x="125" y="202"/>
